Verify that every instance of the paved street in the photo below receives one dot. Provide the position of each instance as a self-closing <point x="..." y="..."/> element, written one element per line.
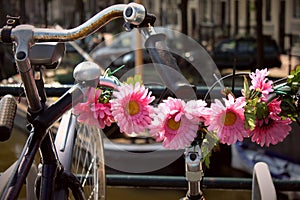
<point x="278" y="72"/>
<point x="284" y="70"/>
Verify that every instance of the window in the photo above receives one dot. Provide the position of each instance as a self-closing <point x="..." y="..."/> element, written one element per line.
<point x="296" y="9"/>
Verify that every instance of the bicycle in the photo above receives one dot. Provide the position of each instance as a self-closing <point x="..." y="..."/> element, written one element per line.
<point x="55" y="176"/>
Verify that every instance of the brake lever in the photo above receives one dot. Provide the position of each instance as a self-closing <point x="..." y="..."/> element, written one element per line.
<point x="165" y="64"/>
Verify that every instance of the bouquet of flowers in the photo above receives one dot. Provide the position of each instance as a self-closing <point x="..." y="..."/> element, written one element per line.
<point x="263" y="113"/>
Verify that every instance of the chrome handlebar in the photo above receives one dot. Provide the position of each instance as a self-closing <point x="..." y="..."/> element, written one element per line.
<point x="133" y="13"/>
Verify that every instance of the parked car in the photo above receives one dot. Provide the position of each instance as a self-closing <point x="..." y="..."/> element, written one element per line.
<point x="121" y="51"/>
<point x="244" y="51"/>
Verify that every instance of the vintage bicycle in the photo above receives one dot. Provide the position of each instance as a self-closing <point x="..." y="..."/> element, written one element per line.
<point x="72" y="159"/>
<point x="55" y="176"/>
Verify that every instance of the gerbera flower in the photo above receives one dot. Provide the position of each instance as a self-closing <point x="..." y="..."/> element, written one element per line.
<point x="174" y="125"/>
<point x="131" y="109"/>
<point x="84" y="111"/>
<point x="261" y="83"/>
<point x="271" y="129"/>
<point x="102" y="113"/>
<point x="228" y="121"/>
<point x="197" y="108"/>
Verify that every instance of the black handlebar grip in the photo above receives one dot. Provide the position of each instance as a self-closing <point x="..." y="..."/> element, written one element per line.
<point x="8" y="109"/>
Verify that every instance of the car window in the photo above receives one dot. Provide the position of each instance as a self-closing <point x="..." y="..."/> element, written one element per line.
<point x="245" y="46"/>
<point x="242" y="46"/>
<point x="270" y="47"/>
<point x="228" y="46"/>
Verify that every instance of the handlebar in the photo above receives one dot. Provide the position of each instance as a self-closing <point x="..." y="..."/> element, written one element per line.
<point x="132" y="13"/>
<point x="24" y="36"/>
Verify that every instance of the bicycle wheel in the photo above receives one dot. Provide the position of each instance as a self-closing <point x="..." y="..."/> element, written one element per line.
<point x="88" y="161"/>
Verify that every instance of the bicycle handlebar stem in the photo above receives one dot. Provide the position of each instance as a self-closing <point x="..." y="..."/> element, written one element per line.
<point x="23" y="38"/>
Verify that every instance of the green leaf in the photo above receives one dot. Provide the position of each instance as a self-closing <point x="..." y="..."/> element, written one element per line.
<point x="246" y="88"/>
<point x="254" y="94"/>
<point x="133" y="80"/>
<point x="108" y="71"/>
<point x="262" y="110"/>
<point x="288" y="107"/>
<point x="294" y="76"/>
<point x="206" y="160"/>
<point x="282" y="89"/>
<point x="209" y="143"/>
<point x="250" y="120"/>
<point x="250" y="113"/>
<point x="297" y="68"/>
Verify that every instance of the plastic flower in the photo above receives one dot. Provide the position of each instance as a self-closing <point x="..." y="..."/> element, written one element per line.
<point x="102" y="113"/>
<point x="197" y="108"/>
<point x="173" y="124"/>
<point x="84" y="111"/>
<point x="131" y="109"/>
<point x="272" y="129"/>
<point x="228" y="120"/>
<point x="261" y="83"/>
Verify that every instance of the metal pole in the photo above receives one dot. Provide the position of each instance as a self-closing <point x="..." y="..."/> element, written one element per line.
<point x="139" y="52"/>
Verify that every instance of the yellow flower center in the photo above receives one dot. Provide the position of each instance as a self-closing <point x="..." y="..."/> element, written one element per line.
<point x="172" y="124"/>
<point x="133" y="108"/>
<point x="229" y="118"/>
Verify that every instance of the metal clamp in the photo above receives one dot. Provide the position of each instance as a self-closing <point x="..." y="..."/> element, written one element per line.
<point x="193" y="172"/>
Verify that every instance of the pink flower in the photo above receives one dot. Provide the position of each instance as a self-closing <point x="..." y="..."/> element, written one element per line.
<point x="84" y="111"/>
<point x="261" y="83"/>
<point x="272" y="129"/>
<point x="173" y="124"/>
<point x="198" y="109"/>
<point x="228" y="120"/>
<point x="103" y="113"/>
<point x="92" y="112"/>
<point x="131" y="109"/>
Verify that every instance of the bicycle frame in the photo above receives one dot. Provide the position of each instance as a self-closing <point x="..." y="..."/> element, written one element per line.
<point x="40" y="139"/>
<point x="39" y="116"/>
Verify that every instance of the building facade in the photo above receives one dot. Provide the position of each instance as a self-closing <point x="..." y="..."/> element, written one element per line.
<point x="207" y="21"/>
<point x="210" y="20"/>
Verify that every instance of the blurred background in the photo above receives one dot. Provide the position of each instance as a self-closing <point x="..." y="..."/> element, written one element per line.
<point x="207" y="21"/>
<point x="246" y="34"/>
